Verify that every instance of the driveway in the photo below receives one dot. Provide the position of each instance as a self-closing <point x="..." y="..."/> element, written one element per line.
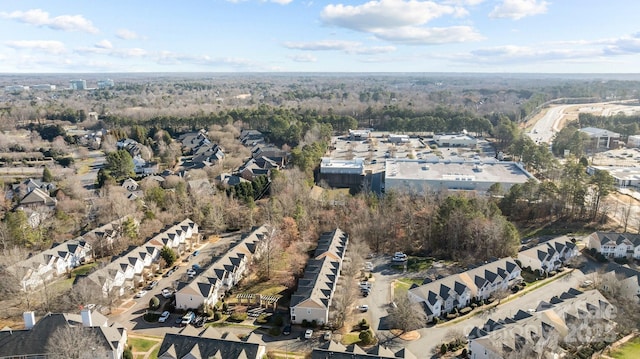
<point x="131" y="317"/>
<point x="431" y="338"/>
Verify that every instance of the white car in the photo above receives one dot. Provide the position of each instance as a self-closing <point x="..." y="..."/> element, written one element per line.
<point x="363" y="308"/>
<point x="163" y="318"/>
<point x="191" y="273"/>
<point x="308" y="334"/>
<point x="167" y="293"/>
<point x="141" y="293"/>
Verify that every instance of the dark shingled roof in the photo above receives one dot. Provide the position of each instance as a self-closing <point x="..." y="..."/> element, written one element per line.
<point x="208" y="347"/>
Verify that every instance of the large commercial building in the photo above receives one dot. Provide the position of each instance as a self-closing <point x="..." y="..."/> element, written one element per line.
<point x="342" y="173"/>
<point x="456" y="140"/>
<point x="408" y="175"/>
<point x="600" y="138"/>
<point x="78" y="84"/>
<point x="622" y="176"/>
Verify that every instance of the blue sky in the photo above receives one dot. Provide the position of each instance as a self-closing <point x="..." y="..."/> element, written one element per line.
<point x="555" y="36"/>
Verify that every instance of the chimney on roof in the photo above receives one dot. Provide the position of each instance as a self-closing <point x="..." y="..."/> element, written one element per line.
<point x="29" y="319"/>
<point x="87" y="321"/>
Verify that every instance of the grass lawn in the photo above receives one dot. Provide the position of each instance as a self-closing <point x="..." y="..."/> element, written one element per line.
<point x="351" y="338"/>
<point x="154" y="353"/>
<point x="141" y="345"/>
<point x="83" y="269"/>
<point x="402" y="285"/>
<point x="630" y="350"/>
<point x="414" y="264"/>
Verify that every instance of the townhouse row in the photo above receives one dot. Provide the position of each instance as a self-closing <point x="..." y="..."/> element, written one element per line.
<point x="209" y="286"/>
<point x="573" y="317"/>
<point x="128" y="269"/>
<point x="442" y="296"/>
<point x="615" y="245"/>
<point x="313" y="299"/>
<point x="548" y="256"/>
<point x="60" y="259"/>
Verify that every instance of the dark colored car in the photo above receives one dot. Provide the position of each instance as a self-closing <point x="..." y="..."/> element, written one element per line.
<point x="286" y="330"/>
<point x="195" y="253"/>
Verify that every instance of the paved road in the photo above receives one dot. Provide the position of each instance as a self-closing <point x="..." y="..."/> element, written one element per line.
<point x="431" y="338"/>
<point x="97" y="160"/>
<point x="132" y="319"/>
<point x="548" y="125"/>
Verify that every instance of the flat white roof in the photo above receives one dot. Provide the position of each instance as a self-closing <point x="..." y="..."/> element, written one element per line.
<point x="330" y="165"/>
<point x="599" y="132"/>
<point x="621" y="173"/>
<point x="442" y="170"/>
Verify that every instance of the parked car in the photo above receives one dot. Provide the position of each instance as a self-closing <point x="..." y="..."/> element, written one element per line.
<point x="195" y="267"/>
<point x="199" y="322"/>
<point x="191" y="273"/>
<point x="141" y="293"/>
<point x="308" y="334"/>
<point x="326" y="336"/>
<point x="167" y="293"/>
<point x="399" y="257"/>
<point x="195" y="253"/>
<point x="586" y="283"/>
<point x="363" y="308"/>
<point x="152" y="285"/>
<point x="286" y="330"/>
<point x="365" y="285"/>
<point x="188" y="318"/>
<point x="163" y="318"/>
<point x="169" y="272"/>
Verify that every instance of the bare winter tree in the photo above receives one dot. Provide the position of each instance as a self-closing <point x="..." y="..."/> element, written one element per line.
<point x="70" y="342"/>
<point x="406" y="316"/>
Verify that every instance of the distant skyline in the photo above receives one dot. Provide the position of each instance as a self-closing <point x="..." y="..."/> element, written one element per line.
<point x="510" y="36"/>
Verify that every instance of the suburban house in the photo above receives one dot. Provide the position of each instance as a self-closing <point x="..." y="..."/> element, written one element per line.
<point x="335" y="350"/>
<point x="209" y="286"/>
<point x="28" y="185"/>
<point x="443" y="295"/>
<point x="271" y="152"/>
<point x="32" y="341"/>
<point x="565" y="318"/>
<point x="251" y="138"/>
<point x="36" y="198"/>
<point x="202" y="151"/>
<point x="548" y="256"/>
<point x="209" y="343"/>
<point x="313" y="299"/>
<point x="128" y="269"/>
<point x="615" y="245"/>
<point x="51" y="263"/>
<point x="621" y="278"/>
<point x="255" y="167"/>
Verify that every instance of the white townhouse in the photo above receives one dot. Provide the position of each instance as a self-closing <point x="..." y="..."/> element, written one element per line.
<point x="209" y="286"/>
<point x="442" y="296"/>
<point x="128" y="269"/>
<point x="313" y="298"/>
<point x="51" y="263"/>
<point x="548" y="256"/>
<point x="565" y="318"/>
<point x="615" y="245"/>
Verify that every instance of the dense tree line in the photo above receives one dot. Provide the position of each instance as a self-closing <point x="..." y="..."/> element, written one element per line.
<point x="625" y="125"/>
<point x="573" y="195"/>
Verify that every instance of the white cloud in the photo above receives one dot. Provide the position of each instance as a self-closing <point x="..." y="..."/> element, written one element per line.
<point x="402" y="21"/>
<point x="412" y="35"/>
<point x="350" y="47"/>
<point x="48" y="46"/>
<point x="127" y="34"/>
<point x="518" y="9"/>
<point x="104" y="44"/>
<point x="374" y="50"/>
<point x="39" y="17"/>
<point x="324" y="45"/>
<point x="384" y="14"/>
<point x="303" y="58"/>
<point x="172" y="58"/>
